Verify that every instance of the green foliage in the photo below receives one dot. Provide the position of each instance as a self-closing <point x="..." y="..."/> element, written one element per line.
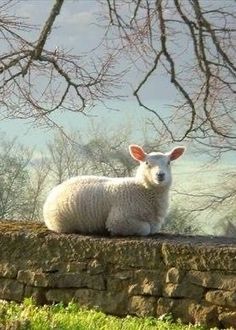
<point x="28" y="316"/>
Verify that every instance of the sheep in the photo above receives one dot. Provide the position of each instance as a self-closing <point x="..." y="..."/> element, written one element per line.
<point x="121" y="206"/>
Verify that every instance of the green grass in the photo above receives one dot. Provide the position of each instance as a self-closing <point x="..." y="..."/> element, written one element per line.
<point x="29" y="316"/>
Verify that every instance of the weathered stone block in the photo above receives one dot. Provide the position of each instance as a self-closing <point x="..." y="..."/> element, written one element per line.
<point x="183" y="290"/>
<point x="193" y="256"/>
<point x="59" y="247"/>
<point x="73" y="280"/>
<point x="228" y="319"/>
<point x="38" y="294"/>
<point x="146" y="282"/>
<point x="123" y="275"/>
<point x="222" y="298"/>
<point x="95" y="267"/>
<point x="89" y="298"/>
<point x="66" y="280"/>
<point x="34" y="278"/>
<point x="174" y="275"/>
<point x="11" y="289"/>
<point x="60" y="295"/>
<point x="62" y="267"/>
<point x="205" y="314"/>
<point x="136" y="253"/>
<point x="62" y="280"/>
<point x="96" y="282"/>
<point x="25" y="276"/>
<point x="108" y="302"/>
<point x="145" y="288"/>
<point x="213" y="279"/>
<point x="142" y="306"/>
<point x="7" y="270"/>
<point x="75" y="267"/>
<point x="119" y="281"/>
<point x="164" y="306"/>
<point x="188" y="310"/>
<point x="115" y="304"/>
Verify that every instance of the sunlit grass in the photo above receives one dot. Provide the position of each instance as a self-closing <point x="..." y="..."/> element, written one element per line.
<point x="29" y="316"/>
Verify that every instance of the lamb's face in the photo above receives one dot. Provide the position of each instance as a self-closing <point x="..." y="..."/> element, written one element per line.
<point x="157" y="169"/>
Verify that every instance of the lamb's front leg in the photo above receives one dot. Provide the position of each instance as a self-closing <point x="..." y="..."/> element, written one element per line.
<point x="156" y="226"/>
<point x="119" y="224"/>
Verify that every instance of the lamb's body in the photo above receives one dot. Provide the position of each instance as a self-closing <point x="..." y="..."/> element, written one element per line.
<point x="91" y="204"/>
<point x="122" y="206"/>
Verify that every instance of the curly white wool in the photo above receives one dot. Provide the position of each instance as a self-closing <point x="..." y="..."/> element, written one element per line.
<point x="122" y="206"/>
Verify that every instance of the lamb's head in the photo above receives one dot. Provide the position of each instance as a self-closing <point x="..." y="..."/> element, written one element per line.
<point x="155" y="168"/>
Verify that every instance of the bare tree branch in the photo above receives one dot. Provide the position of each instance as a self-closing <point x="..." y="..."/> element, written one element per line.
<point x="204" y="79"/>
<point x="36" y="82"/>
<point x="47" y="29"/>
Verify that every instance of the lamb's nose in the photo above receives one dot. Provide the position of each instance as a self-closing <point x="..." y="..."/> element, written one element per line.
<point x="161" y="176"/>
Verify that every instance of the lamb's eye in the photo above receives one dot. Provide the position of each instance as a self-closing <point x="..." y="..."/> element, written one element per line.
<point x="147" y="163"/>
<point x="168" y="163"/>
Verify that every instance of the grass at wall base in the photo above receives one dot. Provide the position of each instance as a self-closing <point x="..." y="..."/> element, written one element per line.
<point x="28" y="315"/>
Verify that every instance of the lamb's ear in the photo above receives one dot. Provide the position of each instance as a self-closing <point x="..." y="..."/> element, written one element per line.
<point x="137" y="152"/>
<point x="176" y="153"/>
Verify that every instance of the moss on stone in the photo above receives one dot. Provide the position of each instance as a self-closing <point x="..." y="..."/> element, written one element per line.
<point x="11" y="226"/>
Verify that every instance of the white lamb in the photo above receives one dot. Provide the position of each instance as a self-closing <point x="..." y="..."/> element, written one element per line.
<point x="122" y="206"/>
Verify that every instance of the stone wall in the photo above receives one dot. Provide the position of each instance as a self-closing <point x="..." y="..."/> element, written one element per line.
<point x="194" y="278"/>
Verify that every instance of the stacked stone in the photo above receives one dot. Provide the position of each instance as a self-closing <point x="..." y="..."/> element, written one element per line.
<point x="193" y="278"/>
